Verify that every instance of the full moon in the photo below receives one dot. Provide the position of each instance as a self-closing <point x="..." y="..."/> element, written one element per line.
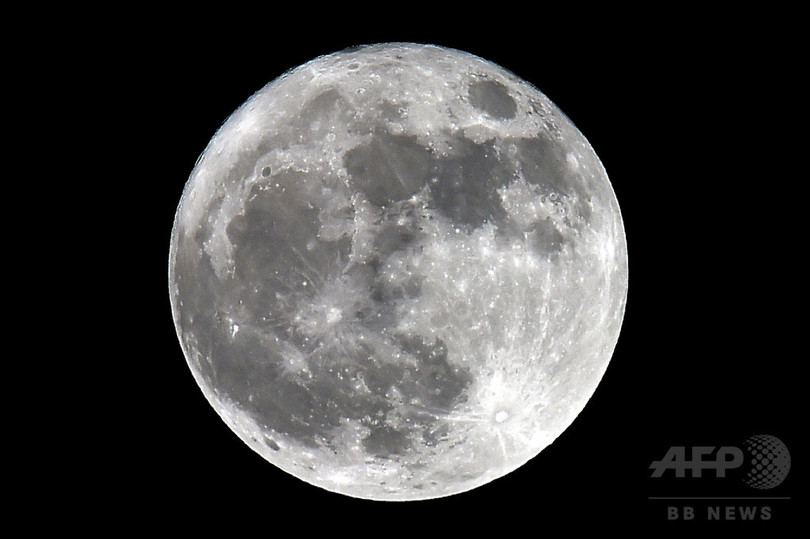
<point x="398" y="272"/>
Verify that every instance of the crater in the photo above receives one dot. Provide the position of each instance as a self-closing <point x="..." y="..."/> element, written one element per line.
<point x="492" y="98"/>
<point x="322" y="111"/>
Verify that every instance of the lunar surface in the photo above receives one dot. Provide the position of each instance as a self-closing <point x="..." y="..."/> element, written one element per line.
<point x="398" y="272"/>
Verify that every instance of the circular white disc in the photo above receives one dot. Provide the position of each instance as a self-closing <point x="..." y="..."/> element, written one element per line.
<point x="398" y="272"/>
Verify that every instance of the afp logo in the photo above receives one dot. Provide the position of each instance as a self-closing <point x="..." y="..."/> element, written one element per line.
<point x="764" y="459"/>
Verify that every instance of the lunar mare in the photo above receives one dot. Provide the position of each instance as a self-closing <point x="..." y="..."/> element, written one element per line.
<point x="398" y="272"/>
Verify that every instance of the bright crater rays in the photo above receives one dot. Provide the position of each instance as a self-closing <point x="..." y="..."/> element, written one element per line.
<point x="398" y="272"/>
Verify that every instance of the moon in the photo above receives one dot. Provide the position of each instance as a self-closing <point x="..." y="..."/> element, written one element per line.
<point x="398" y="272"/>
